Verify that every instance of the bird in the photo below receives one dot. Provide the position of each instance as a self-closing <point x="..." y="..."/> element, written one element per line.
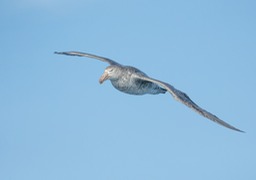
<point x="131" y="80"/>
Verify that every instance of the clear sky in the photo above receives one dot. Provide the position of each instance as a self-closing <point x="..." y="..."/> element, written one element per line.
<point x="58" y="122"/>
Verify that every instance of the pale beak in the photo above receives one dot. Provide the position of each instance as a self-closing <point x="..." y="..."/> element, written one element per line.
<point x="104" y="77"/>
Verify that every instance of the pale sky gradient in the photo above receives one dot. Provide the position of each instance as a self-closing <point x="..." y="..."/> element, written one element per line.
<point x="58" y="122"/>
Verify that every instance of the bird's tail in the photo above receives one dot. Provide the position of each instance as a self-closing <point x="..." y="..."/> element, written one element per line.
<point x="163" y="91"/>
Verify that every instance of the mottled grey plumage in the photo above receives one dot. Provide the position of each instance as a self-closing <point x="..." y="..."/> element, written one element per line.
<point x="133" y="81"/>
<point x="124" y="79"/>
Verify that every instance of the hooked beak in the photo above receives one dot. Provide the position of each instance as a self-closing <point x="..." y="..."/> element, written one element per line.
<point x="104" y="77"/>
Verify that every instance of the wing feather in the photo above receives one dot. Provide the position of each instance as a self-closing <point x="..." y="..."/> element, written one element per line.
<point x="81" y="54"/>
<point x="183" y="98"/>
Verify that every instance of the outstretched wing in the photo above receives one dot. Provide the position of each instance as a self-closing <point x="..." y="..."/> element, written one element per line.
<point x="81" y="54"/>
<point x="183" y="98"/>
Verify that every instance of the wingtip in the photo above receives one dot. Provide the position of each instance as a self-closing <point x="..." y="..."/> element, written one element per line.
<point x="238" y="130"/>
<point x="241" y="131"/>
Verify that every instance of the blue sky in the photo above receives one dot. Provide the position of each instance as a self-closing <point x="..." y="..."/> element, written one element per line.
<point x="58" y="122"/>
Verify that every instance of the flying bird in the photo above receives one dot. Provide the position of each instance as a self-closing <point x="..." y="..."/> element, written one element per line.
<point x="133" y="81"/>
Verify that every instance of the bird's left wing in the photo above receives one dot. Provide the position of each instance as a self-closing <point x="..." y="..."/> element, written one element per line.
<point x="81" y="54"/>
<point x="183" y="98"/>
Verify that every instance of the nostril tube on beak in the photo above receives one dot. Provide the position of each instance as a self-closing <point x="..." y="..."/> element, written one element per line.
<point x="103" y="78"/>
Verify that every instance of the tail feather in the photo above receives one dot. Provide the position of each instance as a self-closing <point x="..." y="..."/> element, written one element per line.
<point x="163" y="91"/>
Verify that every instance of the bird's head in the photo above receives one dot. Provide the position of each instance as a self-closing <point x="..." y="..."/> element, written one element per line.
<point x="111" y="73"/>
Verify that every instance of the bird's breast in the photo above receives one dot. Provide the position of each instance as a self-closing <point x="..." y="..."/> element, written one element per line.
<point x="134" y="86"/>
<point x="127" y="85"/>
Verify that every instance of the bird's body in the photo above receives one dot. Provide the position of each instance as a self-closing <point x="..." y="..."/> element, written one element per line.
<point x="131" y="80"/>
<point x="128" y="83"/>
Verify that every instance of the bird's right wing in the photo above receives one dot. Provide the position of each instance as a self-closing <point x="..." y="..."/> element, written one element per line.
<point x="183" y="98"/>
<point x="81" y="54"/>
